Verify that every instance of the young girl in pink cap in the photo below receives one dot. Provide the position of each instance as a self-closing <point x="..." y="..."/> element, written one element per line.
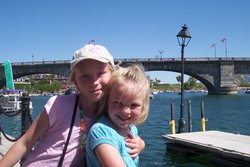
<point x="91" y="70"/>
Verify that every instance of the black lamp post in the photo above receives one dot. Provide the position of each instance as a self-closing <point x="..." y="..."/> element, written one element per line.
<point x="183" y="39"/>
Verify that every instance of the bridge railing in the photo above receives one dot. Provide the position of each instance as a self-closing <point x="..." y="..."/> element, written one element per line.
<point x="141" y="60"/>
<point x="40" y="62"/>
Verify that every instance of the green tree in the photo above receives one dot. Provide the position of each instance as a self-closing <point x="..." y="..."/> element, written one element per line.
<point x="178" y="78"/>
<point x="244" y="84"/>
<point x="157" y="81"/>
<point x="192" y="82"/>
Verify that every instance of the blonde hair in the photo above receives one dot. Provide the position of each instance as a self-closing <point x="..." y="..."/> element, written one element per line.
<point x="134" y="74"/>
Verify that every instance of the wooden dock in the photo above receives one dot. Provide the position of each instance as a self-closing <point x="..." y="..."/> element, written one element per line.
<point x="4" y="147"/>
<point x="226" y="148"/>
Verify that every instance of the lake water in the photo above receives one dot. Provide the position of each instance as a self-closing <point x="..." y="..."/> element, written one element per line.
<point x="229" y="113"/>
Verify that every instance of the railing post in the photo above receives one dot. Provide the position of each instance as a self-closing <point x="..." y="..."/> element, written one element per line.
<point x="203" y="119"/>
<point x="172" y="121"/>
<point x="26" y="119"/>
<point x="189" y="116"/>
<point x="25" y="107"/>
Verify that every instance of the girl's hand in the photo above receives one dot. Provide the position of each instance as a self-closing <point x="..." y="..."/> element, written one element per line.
<point x="136" y="144"/>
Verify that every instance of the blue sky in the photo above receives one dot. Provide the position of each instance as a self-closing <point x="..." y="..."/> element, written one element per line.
<point x="54" y="29"/>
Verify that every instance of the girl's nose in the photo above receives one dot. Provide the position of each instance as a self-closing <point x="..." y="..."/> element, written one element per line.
<point x="94" y="79"/>
<point x="127" y="110"/>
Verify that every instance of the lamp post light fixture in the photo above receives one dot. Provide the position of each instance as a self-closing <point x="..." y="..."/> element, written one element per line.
<point x="183" y="39"/>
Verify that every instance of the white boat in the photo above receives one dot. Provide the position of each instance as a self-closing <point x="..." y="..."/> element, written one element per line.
<point x="247" y="91"/>
<point x="11" y="101"/>
<point x="151" y="96"/>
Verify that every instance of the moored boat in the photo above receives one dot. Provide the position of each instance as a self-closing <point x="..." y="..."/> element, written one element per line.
<point x="10" y="100"/>
<point x="247" y="91"/>
<point x="151" y="95"/>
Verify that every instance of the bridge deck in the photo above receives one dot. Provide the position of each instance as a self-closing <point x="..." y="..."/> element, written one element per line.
<point x="228" y="147"/>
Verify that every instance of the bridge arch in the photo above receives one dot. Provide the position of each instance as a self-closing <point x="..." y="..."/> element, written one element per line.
<point x="201" y="78"/>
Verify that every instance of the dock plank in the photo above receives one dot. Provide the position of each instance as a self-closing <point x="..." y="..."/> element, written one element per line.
<point x="223" y="143"/>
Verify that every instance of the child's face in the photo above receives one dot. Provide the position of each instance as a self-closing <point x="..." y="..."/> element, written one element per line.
<point x="124" y="107"/>
<point x="91" y="77"/>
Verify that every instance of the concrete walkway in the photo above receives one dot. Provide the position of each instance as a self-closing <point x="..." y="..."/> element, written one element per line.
<point x="4" y="147"/>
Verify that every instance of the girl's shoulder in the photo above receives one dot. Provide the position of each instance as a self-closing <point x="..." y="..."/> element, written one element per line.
<point x="60" y="107"/>
<point x="60" y="102"/>
<point x="103" y="126"/>
<point x="62" y="98"/>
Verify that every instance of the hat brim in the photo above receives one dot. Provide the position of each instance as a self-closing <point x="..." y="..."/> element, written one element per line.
<point x="102" y="60"/>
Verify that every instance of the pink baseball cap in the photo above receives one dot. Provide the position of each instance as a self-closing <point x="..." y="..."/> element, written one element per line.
<point x="94" y="52"/>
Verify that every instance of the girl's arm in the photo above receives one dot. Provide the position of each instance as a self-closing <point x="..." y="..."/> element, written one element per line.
<point x="136" y="144"/>
<point x="109" y="156"/>
<point x="22" y="145"/>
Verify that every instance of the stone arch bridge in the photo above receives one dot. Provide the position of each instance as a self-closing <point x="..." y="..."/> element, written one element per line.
<point x="219" y="75"/>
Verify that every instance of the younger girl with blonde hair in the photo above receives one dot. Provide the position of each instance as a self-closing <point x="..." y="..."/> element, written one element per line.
<point x="125" y="104"/>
